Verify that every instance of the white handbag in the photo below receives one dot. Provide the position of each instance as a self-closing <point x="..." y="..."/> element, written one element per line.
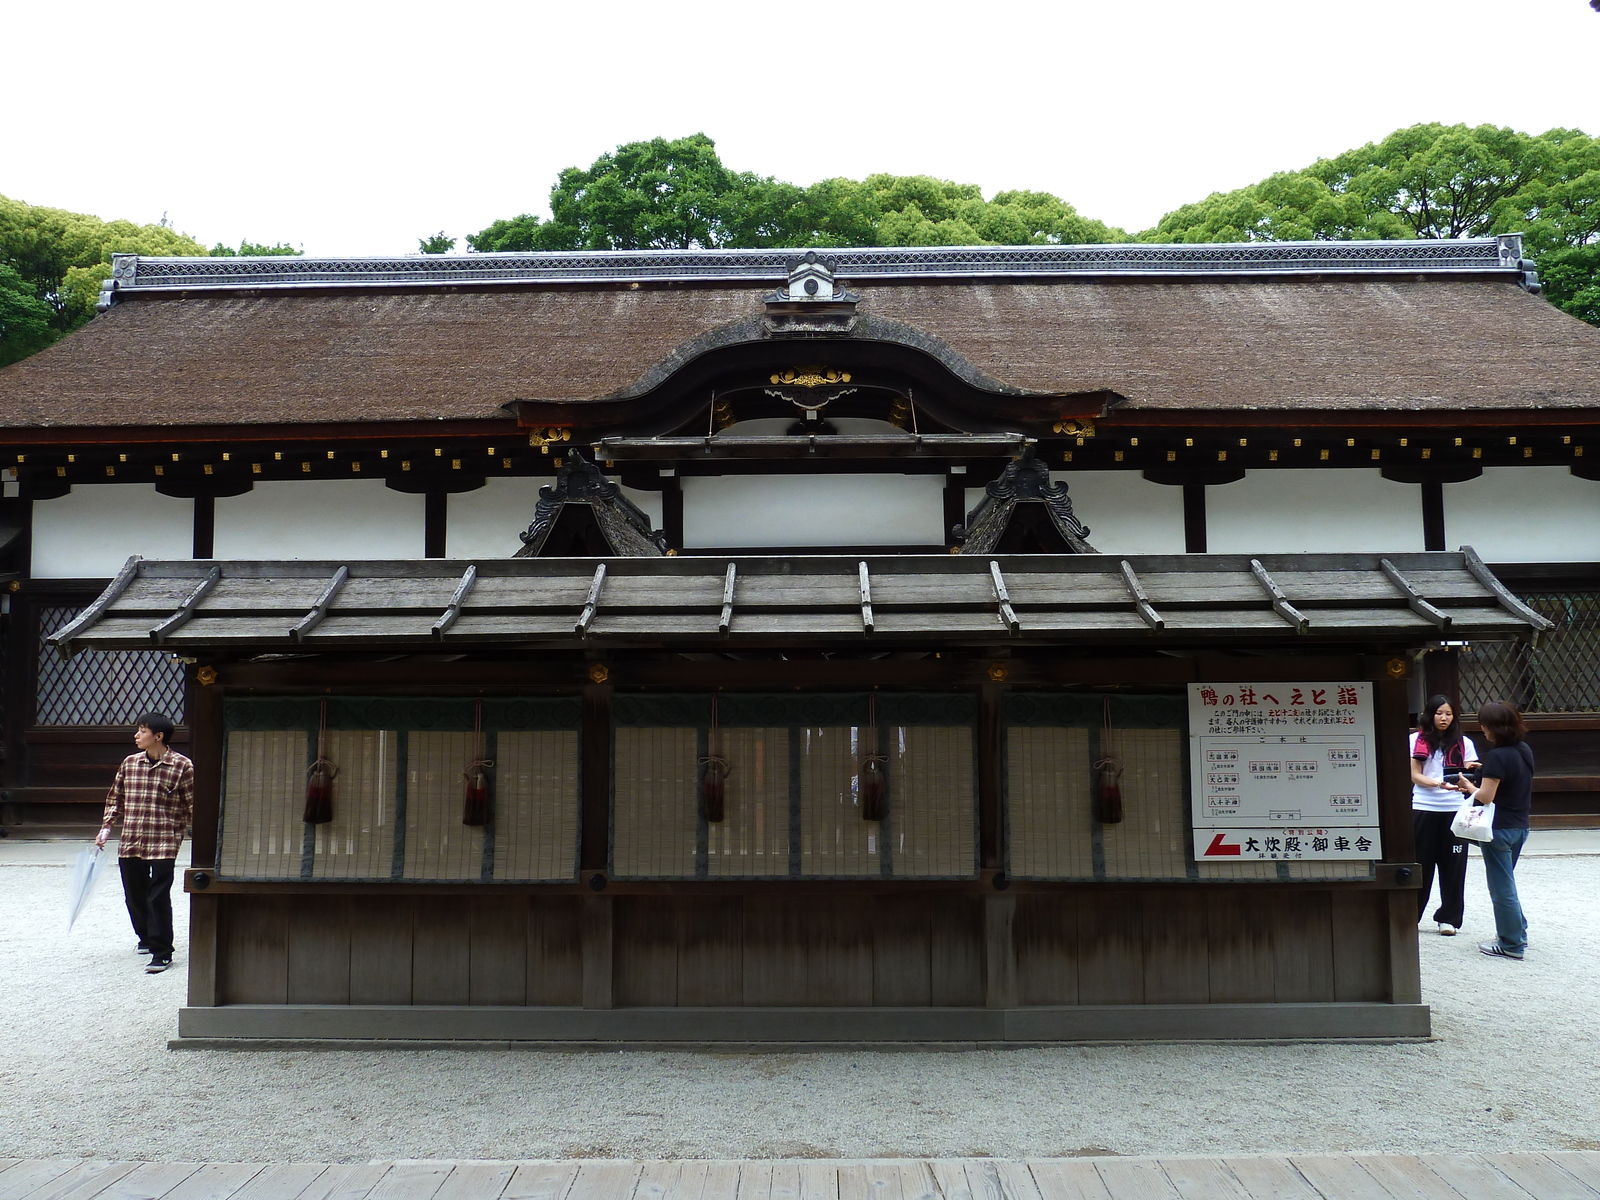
<point x="1474" y="822"/>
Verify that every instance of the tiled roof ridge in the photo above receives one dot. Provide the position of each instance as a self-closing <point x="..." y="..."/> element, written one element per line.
<point x="1493" y="255"/>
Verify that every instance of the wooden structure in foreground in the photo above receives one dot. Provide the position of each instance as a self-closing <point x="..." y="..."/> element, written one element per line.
<point x="609" y="897"/>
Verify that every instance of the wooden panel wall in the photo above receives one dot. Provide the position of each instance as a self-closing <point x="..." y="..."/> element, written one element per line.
<point x="1091" y="946"/>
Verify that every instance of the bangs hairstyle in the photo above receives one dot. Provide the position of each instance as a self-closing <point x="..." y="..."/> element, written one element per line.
<point x="1439" y="739"/>
<point x="1502" y="723"/>
<point x="157" y="723"/>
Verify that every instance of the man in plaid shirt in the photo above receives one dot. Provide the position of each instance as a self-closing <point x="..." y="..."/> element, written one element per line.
<point x="153" y="796"/>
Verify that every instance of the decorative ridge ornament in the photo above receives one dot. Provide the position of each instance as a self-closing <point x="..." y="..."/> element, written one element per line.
<point x="626" y="528"/>
<point x="1026" y="479"/>
<point x="811" y="302"/>
<point x="811" y="377"/>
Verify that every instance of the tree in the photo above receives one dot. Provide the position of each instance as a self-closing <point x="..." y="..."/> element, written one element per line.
<point x="1429" y="181"/>
<point x="661" y="194"/>
<point x="437" y="244"/>
<point x="249" y="249"/>
<point x="24" y="318"/>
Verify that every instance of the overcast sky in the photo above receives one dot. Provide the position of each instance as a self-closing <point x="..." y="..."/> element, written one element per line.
<point x="357" y="128"/>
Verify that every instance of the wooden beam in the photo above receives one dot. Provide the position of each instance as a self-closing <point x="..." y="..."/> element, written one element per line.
<point x="1003" y="596"/>
<point x="203" y="710"/>
<point x="1141" y="601"/>
<point x="1510" y="603"/>
<point x="1414" y="598"/>
<point x="457" y="599"/>
<point x="866" y="597"/>
<point x="128" y="573"/>
<point x="187" y="607"/>
<point x="1280" y="602"/>
<point x="725" y="621"/>
<point x="591" y="602"/>
<point x="320" y="609"/>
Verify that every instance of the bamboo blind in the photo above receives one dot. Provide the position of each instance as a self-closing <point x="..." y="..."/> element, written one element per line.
<point x="1048" y="802"/>
<point x="1152" y="840"/>
<point x="438" y="845"/>
<point x="752" y="839"/>
<point x="655" y="802"/>
<point x="932" y="801"/>
<point x="263" y="836"/>
<point x="536" y="805"/>
<point x="359" y="842"/>
<point x="834" y="840"/>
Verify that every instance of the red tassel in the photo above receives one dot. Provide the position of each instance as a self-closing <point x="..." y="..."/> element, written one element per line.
<point x="1108" y="793"/>
<point x="475" y="809"/>
<point x="319" y="792"/>
<point x="873" y="791"/>
<point x="714" y="788"/>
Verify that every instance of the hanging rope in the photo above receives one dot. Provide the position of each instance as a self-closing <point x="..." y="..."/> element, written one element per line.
<point x="874" y="767"/>
<point x="714" y="772"/>
<point x="1108" y="780"/>
<point x="320" y="776"/>
<point x="475" y="806"/>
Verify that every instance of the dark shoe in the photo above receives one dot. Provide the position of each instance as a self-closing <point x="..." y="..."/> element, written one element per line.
<point x="157" y="965"/>
<point x="1496" y="950"/>
<point x="143" y="949"/>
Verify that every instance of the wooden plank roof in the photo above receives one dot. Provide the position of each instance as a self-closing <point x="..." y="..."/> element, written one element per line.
<point x="1169" y="600"/>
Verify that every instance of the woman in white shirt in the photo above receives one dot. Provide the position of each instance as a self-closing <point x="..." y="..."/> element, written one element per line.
<point x="1439" y="746"/>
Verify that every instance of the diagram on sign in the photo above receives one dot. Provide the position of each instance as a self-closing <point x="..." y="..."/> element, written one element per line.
<point x="1283" y="771"/>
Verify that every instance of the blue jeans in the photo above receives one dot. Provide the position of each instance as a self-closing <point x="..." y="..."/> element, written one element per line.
<point x="1499" y="862"/>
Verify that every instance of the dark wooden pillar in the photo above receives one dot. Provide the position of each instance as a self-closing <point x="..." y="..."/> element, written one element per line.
<point x="1194" y="518"/>
<point x="1432" y="515"/>
<point x="203" y="715"/>
<point x="991" y="784"/>
<point x="435" y="513"/>
<point x="205" y="526"/>
<point x="1394" y="768"/>
<point x="1441" y="676"/>
<point x="595" y="826"/>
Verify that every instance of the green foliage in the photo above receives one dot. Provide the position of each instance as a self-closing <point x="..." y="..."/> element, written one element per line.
<point x="24" y="318"/>
<point x="1429" y="181"/>
<point x="437" y="244"/>
<point x="248" y="249"/>
<point x="662" y="194"/>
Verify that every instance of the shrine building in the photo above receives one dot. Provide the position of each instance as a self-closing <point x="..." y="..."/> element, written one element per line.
<point x="983" y="645"/>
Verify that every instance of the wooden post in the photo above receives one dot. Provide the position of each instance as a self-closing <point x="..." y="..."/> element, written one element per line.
<point x="595" y="824"/>
<point x="204" y="718"/>
<point x="999" y="952"/>
<point x="1394" y="770"/>
<point x="991" y="786"/>
<point x="202" y="950"/>
<point x="1405" y="959"/>
<point x="597" y="952"/>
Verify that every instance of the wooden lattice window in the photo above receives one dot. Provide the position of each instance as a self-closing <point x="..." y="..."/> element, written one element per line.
<point x="398" y="796"/>
<point x="102" y="687"/>
<point x="792" y="807"/>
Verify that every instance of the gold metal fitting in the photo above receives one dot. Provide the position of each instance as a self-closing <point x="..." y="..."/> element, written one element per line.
<point x="1396" y="668"/>
<point x="599" y="672"/>
<point x="206" y="676"/>
<point x="811" y="377"/>
<point x="1074" y="427"/>
<point x="998" y="672"/>
<point x="547" y="437"/>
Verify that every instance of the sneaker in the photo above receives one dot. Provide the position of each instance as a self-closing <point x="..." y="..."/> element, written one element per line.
<point x="141" y="948"/>
<point x="1446" y="930"/>
<point x="157" y="965"/>
<point x="1496" y="950"/>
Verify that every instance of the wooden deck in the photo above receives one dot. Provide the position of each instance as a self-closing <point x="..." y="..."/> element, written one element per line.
<point x="1563" y="1175"/>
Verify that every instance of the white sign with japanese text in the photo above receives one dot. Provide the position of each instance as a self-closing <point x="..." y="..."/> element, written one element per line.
<point x="1283" y="771"/>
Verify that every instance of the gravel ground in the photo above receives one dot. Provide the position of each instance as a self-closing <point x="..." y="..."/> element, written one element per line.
<point x="84" y="1071"/>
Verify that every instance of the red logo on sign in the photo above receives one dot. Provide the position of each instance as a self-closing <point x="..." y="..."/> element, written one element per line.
<point x="1218" y="846"/>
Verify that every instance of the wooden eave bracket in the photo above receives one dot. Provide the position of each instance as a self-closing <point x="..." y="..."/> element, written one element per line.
<point x="63" y="637"/>
<point x="725" y="621"/>
<point x="457" y="599"/>
<point x="319" y="610"/>
<point x="1479" y="571"/>
<point x="1002" y="596"/>
<point x="591" y="602"/>
<point x="1280" y="602"/>
<point x="1414" y="599"/>
<point x="187" y="607"/>
<point x="866" y="597"/>
<point x="1141" y="602"/>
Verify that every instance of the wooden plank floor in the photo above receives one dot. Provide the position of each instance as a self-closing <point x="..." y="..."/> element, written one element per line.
<point x="1549" y="1175"/>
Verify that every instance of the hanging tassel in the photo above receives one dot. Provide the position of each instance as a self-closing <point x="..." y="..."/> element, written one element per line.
<point x="475" y="805"/>
<point x="319" y="778"/>
<point x="714" y="773"/>
<point x="873" y="777"/>
<point x="1108" y="778"/>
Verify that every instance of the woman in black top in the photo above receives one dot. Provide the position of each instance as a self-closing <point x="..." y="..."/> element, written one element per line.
<point x="1508" y="785"/>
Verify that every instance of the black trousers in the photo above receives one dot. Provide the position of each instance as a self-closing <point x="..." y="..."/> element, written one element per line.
<point x="147" y="888"/>
<point x="1439" y="849"/>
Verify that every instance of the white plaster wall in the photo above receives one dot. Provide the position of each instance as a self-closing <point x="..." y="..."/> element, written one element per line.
<point x="320" y="518"/>
<point x="486" y="522"/>
<point x="1525" y="514"/>
<point x="813" y="510"/>
<point x="1313" y="512"/>
<point x="1125" y="512"/>
<point x="90" y="532"/>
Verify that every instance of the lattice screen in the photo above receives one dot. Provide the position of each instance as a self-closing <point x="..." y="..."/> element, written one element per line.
<point x="1561" y="675"/>
<point x="102" y="687"/>
<point x="1052" y="743"/>
<point x="398" y="797"/>
<point x="792" y="805"/>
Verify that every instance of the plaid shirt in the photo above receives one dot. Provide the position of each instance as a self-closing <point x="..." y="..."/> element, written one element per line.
<point x="155" y="801"/>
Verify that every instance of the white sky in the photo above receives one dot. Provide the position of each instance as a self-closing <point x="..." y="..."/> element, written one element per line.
<point x="355" y="128"/>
